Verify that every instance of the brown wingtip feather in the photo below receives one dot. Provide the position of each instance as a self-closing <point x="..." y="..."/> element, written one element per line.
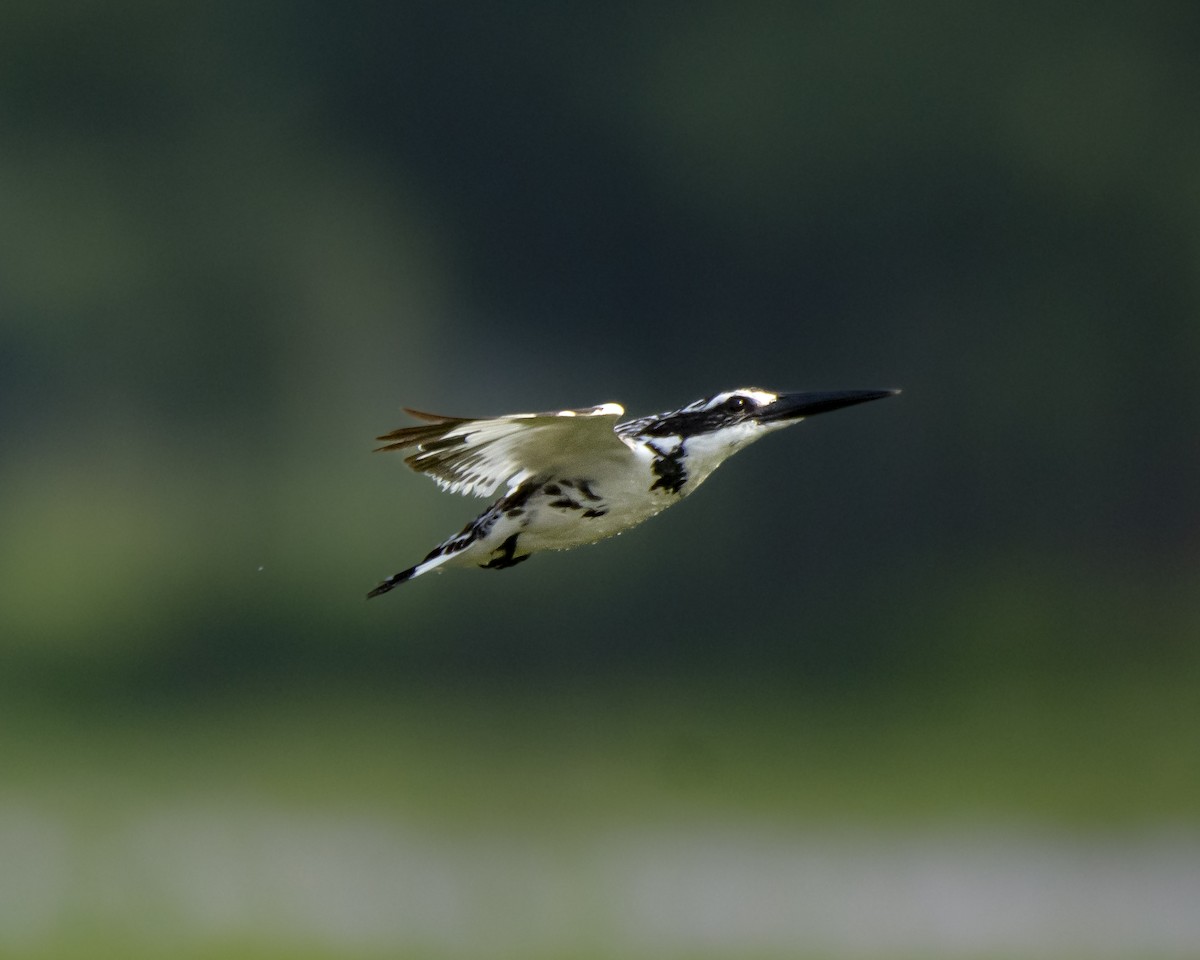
<point x="408" y="436"/>
<point x="430" y="417"/>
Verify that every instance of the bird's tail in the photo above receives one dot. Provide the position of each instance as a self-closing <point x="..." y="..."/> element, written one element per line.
<point x="393" y="581"/>
<point x="435" y="559"/>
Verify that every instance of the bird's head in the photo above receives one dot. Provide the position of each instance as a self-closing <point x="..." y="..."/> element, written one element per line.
<point x="750" y="411"/>
<point x="715" y="427"/>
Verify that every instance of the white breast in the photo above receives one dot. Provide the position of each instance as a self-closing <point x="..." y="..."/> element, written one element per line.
<point x="622" y="499"/>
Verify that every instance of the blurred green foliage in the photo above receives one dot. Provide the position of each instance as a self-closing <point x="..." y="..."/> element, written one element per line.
<point x="237" y="239"/>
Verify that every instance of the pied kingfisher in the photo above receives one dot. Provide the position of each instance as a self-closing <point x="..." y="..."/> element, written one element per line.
<point x="578" y="476"/>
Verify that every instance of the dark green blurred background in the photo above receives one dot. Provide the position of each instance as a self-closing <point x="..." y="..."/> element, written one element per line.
<point x="236" y="238"/>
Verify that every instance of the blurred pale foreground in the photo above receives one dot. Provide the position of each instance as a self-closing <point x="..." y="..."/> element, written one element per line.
<point x="223" y="874"/>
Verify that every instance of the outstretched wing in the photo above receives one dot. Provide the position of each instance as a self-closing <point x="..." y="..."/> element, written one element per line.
<point x="477" y="456"/>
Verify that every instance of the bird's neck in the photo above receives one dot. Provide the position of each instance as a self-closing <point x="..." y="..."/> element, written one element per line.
<point x="681" y="463"/>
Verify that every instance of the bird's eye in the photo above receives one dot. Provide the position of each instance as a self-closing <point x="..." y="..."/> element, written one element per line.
<point x="736" y="404"/>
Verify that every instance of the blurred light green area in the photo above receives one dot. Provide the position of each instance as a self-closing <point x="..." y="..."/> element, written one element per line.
<point x="236" y="238"/>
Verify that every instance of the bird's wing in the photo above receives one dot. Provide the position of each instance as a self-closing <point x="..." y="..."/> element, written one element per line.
<point x="476" y="456"/>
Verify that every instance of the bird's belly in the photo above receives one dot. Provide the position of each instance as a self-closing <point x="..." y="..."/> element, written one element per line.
<point x="557" y="522"/>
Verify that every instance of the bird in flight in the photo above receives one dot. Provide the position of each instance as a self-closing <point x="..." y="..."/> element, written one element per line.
<point x="577" y="476"/>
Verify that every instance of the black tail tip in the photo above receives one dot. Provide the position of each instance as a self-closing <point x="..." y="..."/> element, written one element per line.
<point x="390" y="582"/>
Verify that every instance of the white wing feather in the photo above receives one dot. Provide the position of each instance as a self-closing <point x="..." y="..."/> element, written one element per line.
<point x="474" y="457"/>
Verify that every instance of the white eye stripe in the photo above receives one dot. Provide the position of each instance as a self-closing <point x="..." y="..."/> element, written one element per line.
<point x="759" y="398"/>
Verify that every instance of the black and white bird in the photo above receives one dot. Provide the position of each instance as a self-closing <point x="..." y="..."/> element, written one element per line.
<point x="578" y="476"/>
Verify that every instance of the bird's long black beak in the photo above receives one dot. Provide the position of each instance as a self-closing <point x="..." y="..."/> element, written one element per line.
<point x="793" y="406"/>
